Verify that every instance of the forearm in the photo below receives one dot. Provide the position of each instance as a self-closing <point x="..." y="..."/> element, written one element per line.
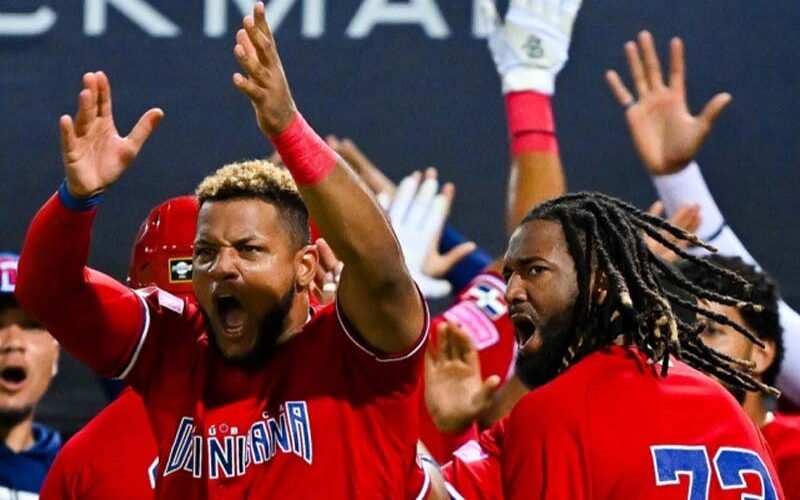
<point x="689" y="186"/>
<point x="536" y="174"/>
<point x="355" y="227"/>
<point x="96" y="318"/>
<point x="374" y="270"/>
<point x="533" y="179"/>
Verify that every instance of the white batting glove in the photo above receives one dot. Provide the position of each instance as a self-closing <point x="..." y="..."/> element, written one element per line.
<point x="532" y="46"/>
<point x="418" y="213"/>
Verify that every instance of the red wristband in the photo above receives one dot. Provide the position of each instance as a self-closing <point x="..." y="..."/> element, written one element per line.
<point x="305" y="154"/>
<point x="530" y="123"/>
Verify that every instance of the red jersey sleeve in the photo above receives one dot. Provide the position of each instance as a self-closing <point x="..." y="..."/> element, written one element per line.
<point x="476" y="469"/>
<point x="97" y="319"/>
<point x="392" y="371"/>
<point x="62" y="479"/>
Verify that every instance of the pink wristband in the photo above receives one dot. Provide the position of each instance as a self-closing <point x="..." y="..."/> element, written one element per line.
<point x="305" y="154"/>
<point x="530" y="123"/>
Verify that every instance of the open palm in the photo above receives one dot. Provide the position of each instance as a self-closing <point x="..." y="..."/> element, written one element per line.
<point x="454" y="390"/>
<point x="94" y="153"/>
<point x="665" y="133"/>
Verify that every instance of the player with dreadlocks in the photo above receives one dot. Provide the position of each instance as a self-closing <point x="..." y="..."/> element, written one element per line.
<point x="620" y="406"/>
<point x="636" y="304"/>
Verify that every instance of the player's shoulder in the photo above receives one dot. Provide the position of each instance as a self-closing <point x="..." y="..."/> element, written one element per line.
<point x="120" y="418"/>
<point x="162" y="307"/>
<point x="559" y="403"/>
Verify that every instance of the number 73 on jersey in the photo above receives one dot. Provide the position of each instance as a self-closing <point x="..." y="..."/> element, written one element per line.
<point x="730" y="466"/>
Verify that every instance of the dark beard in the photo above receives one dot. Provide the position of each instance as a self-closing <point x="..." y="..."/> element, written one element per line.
<point x="538" y="368"/>
<point x="9" y="417"/>
<point x="269" y="330"/>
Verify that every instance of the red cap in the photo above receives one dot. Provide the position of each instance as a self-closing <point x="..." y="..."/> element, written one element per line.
<point x="162" y="254"/>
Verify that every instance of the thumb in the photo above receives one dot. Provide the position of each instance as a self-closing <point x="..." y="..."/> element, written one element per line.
<point x="454" y="256"/>
<point x="715" y="107"/>
<point x="144" y="127"/>
<point x="488" y="389"/>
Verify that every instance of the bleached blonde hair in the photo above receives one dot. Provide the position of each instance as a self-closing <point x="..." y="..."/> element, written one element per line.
<point x="259" y="179"/>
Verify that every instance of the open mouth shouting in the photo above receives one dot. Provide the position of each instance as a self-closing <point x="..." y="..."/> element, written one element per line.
<point x="12" y="378"/>
<point x="231" y="314"/>
<point x="524" y="329"/>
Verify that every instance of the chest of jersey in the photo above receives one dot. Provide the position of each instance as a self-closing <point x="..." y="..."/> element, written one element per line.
<point x="303" y="423"/>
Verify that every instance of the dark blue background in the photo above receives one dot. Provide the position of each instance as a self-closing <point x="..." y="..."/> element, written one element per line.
<point x="409" y="101"/>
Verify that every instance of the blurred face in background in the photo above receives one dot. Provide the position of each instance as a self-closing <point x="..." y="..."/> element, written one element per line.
<point x="28" y="362"/>
<point x="726" y="340"/>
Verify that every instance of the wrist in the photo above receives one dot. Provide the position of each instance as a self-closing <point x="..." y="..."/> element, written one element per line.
<point x="77" y="202"/>
<point x="531" y="125"/>
<point x="279" y="122"/>
<point x="528" y="79"/>
<point x="670" y="169"/>
<point x="307" y="157"/>
<point x="689" y="186"/>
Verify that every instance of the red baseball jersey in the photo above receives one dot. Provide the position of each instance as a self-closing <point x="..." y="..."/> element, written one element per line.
<point x="114" y="456"/>
<point x="611" y="427"/>
<point x="482" y="312"/>
<point x="324" y="415"/>
<point x="783" y="436"/>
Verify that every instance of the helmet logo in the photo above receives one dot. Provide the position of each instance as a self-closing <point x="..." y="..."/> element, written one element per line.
<point x="180" y="270"/>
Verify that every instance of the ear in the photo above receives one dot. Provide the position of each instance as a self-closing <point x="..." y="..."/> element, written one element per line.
<point x="306" y="261"/>
<point x="763" y="357"/>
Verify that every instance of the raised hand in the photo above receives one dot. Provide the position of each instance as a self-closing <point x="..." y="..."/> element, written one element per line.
<point x="94" y="154"/>
<point x="665" y="133"/>
<point x="454" y="390"/>
<point x="418" y="213"/>
<point x="265" y="84"/>
<point x="532" y="46"/>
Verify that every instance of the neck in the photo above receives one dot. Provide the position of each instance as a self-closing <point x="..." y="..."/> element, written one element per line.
<point x="297" y="318"/>
<point x="18" y="437"/>
<point x="754" y="407"/>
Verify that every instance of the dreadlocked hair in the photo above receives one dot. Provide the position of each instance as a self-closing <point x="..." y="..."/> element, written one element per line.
<point x="606" y="234"/>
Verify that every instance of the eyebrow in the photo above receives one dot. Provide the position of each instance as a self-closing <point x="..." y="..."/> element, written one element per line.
<point x="522" y="261"/>
<point x="246" y="239"/>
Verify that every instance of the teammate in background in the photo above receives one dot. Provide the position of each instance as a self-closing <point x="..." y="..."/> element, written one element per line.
<point x="120" y="438"/>
<point x="528" y="52"/>
<point x="28" y="362"/>
<point x="668" y="138"/>
<point x="446" y="254"/>
<point x="254" y="364"/>
<point x="781" y="431"/>
<point x="620" y="406"/>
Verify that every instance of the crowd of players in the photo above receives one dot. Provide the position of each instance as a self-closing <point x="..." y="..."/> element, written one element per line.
<point x="276" y="342"/>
